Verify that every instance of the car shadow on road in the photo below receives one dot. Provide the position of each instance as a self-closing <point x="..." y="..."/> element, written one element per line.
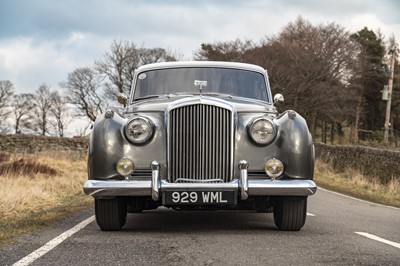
<point x="166" y="220"/>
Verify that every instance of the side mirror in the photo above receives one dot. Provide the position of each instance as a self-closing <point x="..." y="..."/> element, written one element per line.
<point x="122" y="99"/>
<point x="278" y="98"/>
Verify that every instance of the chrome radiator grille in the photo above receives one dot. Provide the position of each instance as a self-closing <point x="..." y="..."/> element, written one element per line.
<point x="200" y="144"/>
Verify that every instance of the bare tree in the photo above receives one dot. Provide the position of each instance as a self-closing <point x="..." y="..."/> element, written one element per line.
<point x="6" y="92"/>
<point x="119" y="64"/>
<point x="152" y="55"/>
<point x="59" y="110"/>
<point x="311" y="65"/>
<point x="83" y="89"/>
<point x="233" y="51"/>
<point x="42" y="103"/>
<point x="21" y="108"/>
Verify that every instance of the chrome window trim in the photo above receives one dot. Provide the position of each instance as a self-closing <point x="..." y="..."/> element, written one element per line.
<point x="216" y="64"/>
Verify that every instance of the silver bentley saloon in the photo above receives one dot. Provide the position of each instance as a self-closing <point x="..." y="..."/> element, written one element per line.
<point x="200" y="136"/>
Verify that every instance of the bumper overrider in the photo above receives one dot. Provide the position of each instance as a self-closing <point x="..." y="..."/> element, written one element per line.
<point x="155" y="187"/>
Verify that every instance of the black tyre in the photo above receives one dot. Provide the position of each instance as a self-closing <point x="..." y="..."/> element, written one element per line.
<point x="110" y="214"/>
<point x="290" y="214"/>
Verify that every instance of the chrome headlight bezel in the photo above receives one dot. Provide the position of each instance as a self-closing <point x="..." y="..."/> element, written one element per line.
<point x="262" y="131"/>
<point x="136" y="127"/>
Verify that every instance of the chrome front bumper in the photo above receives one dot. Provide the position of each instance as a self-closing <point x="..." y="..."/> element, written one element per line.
<point x="156" y="186"/>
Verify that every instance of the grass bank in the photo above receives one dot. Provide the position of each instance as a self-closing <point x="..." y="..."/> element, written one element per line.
<point x="353" y="183"/>
<point x="38" y="190"/>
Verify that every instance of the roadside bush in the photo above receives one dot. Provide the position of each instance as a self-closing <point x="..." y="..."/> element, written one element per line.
<point x="23" y="166"/>
<point x="376" y="136"/>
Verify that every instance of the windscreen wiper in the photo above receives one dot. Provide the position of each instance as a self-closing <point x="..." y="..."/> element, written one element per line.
<point x="214" y="94"/>
<point x="147" y="97"/>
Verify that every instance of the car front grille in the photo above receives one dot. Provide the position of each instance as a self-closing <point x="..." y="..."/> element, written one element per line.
<point x="200" y="144"/>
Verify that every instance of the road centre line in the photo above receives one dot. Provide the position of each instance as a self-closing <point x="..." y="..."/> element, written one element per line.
<point x="53" y="243"/>
<point x="377" y="238"/>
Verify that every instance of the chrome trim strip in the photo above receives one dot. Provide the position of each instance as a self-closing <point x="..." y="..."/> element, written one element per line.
<point x="268" y="187"/>
<point x="112" y="188"/>
<point x="187" y="180"/>
<point x="155" y="180"/>
<point x="199" y="186"/>
<point x="200" y="64"/>
<point x="243" y="184"/>
<point x="257" y="187"/>
<point x="206" y="100"/>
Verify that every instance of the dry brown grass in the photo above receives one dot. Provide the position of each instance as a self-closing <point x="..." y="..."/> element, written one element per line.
<point x="353" y="183"/>
<point x="36" y="190"/>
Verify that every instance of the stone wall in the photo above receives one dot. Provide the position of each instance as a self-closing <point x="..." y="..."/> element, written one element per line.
<point x="371" y="162"/>
<point x="76" y="147"/>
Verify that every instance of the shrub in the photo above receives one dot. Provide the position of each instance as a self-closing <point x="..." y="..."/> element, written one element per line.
<point x="23" y="166"/>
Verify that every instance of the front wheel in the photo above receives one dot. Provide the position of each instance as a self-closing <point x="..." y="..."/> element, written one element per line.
<point x="290" y="213"/>
<point x="110" y="214"/>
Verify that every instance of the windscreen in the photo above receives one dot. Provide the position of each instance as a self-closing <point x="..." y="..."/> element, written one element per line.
<point x="234" y="82"/>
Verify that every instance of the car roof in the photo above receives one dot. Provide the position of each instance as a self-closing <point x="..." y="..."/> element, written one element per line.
<point x="220" y="64"/>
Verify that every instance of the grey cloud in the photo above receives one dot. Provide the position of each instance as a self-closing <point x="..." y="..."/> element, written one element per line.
<point x="43" y="18"/>
<point x="178" y="25"/>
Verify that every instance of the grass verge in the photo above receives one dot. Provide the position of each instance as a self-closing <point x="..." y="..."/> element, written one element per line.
<point x="36" y="191"/>
<point x="353" y="183"/>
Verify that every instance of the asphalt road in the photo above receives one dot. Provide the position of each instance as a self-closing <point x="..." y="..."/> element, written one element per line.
<point x="166" y="237"/>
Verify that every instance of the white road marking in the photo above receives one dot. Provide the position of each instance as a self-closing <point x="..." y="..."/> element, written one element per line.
<point x="377" y="238"/>
<point x="310" y="214"/>
<point x="350" y="197"/>
<point x="53" y="243"/>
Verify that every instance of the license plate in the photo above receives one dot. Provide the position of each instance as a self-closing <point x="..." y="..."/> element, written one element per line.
<point x="199" y="197"/>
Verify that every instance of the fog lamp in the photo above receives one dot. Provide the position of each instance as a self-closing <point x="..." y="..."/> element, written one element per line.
<point x="274" y="168"/>
<point x="125" y="167"/>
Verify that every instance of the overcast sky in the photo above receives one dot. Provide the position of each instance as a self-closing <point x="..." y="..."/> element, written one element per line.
<point x="41" y="41"/>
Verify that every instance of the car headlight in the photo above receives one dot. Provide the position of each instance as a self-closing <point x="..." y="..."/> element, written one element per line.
<point x="262" y="131"/>
<point x="139" y="130"/>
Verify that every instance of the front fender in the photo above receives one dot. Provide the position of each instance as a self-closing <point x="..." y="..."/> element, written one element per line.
<point x="295" y="146"/>
<point x="106" y="145"/>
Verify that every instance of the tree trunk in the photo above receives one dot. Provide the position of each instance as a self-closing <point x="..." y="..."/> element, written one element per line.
<point x="354" y="138"/>
<point x="313" y="124"/>
<point x="332" y="133"/>
<point x="324" y="132"/>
